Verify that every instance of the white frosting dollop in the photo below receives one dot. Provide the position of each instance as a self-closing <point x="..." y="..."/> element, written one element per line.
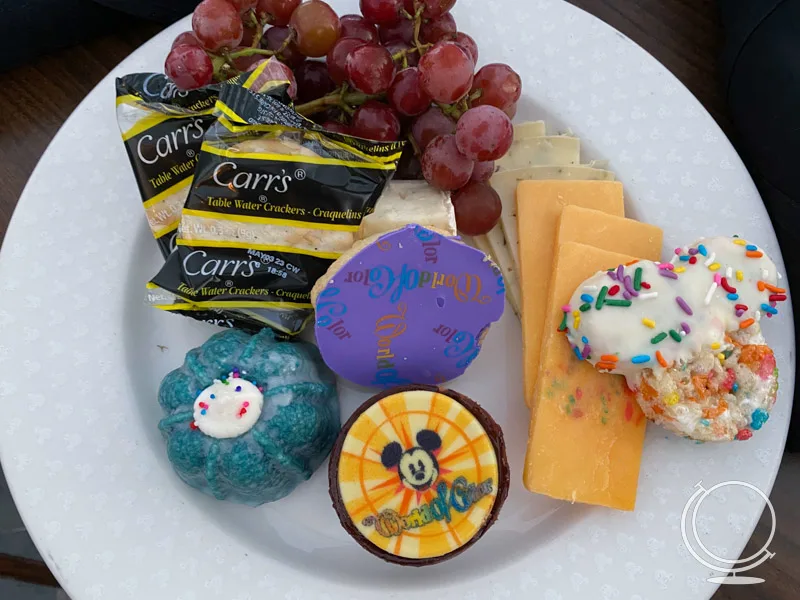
<point x="683" y="307"/>
<point x="228" y="408"/>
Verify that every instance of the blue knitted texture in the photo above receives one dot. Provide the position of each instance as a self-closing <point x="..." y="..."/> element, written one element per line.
<point x="292" y="437"/>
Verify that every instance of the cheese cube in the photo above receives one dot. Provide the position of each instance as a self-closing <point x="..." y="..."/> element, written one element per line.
<point x="586" y="431"/>
<point x="539" y="206"/>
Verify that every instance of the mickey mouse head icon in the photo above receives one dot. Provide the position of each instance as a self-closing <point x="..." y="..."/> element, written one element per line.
<point x="417" y="467"/>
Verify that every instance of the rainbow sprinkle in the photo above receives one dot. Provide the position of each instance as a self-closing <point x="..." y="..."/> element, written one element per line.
<point x="675" y="335"/>
<point x="640" y="359"/>
<point x="659" y="338"/>
<point x="684" y="307"/>
<point x="649" y="323"/>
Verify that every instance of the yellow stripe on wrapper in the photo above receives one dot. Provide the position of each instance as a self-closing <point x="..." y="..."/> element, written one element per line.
<point x="418" y="474"/>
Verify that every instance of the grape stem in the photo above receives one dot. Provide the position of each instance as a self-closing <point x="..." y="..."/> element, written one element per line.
<point x="251" y="51"/>
<point x="453" y="111"/>
<point x="414" y="145"/>
<point x="345" y="101"/>
<point x="417" y="26"/>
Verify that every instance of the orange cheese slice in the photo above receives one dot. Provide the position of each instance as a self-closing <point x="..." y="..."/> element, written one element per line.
<point x="587" y="431"/>
<point x="609" y="232"/>
<point x="539" y="206"/>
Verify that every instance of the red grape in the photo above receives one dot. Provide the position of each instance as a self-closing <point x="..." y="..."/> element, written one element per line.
<point x="412" y="58"/>
<point x="440" y="28"/>
<point x="402" y="31"/>
<point x="370" y="68"/>
<point x="374" y="120"/>
<point x="189" y="67"/>
<point x="187" y="38"/>
<point x="436" y="8"/>
<point x="243" y="5"/>
<point x="484" y="133"/>
<point x="466" y="42"/>
<point x="337" y="57"/>
<point x="274" y="39"/>
<point x="511" y="111"/>
<point x="500" y="85"/>
<point x="443" y="165"/>
<point x="483" y="171"/>
<point x="313" y="81"/>
<point x="431" y="123"/>
<point x="357" y="26"/>
<point x="337" y="127"/>
<point x="446" y="71"/>
<point x="281" y="10"/>
<point x="477" y="208"/>
<point x="217" y="25"/>
<point x="275" y="71"/>
<point x="246" y="63"/>
<point x="381" y="12"/>
<point x="317" y="27"/>
<point x="248" y="35"/>
<point x="405" y="94"/>
<point x="408" y="5"/>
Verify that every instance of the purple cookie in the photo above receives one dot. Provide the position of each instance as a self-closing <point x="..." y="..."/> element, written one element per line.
<point x="411" y="306"/>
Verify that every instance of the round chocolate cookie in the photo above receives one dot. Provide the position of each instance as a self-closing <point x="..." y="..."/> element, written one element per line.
<point x="418" y="474"/>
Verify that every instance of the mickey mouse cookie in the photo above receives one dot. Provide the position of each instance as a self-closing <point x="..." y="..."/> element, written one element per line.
<point x="418" y="474"/>
<point x="408" y="306"/>
<point x="686" y="335"/>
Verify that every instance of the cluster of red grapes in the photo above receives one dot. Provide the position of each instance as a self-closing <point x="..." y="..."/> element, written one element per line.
<point x="400" y="70"/>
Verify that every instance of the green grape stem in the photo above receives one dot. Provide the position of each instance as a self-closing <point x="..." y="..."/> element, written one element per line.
<point x="345" y="101"/>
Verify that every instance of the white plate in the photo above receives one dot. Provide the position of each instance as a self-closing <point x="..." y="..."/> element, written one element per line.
<point x="80" y="361"/>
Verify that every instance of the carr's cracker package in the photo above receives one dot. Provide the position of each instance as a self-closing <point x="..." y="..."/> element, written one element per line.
<point x="163" y="128"/>
<point x="274" y="201"/>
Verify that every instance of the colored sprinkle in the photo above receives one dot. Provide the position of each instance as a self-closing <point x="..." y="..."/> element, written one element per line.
<point x="620" y="272"/>
<point x="745" y="324"/>
<point x="741" y="307"/>
<point x="739" y="312"/>
<point x="727" y="286"/>
<point x="586" y="298"/>
<point x="609" y="358"/>
<point x="710" y="259"/>
<point x="649" y="323"/>
<point x="768" y="309"/>
<point x="678" y="251"/>
<point x="645" y="285"/>
<point x="759" y="417"/>
<point x="245" y="404"/>
<point x="226" y="382"/>
<point x="662" y="361"/>
<point x="563" y="325"/>
<point x="744" y="434"/>
<point x="753" y="254"/>
<point x="710" y="293"/>
<point x="672" y="398"/>
<point x="680" y="269"/>
<point x="717" y="278"/>
<point x="618" y="302"/>
<point x="576" y="316"/>
<point x="684" y="307"/>
<point x="577" y="353"/>
<point x="585" y="340"/>
<point x="640" y="358"/>
<point x="729" y="272"/>
<point x="702" y="250"/>
<point x="692" y="251"/>
<point x="668" y="274"/>
<point x="193" y="425"/>
<point x="686" y="329"/>
<point x="203" y="405"/>
<point x="585" y="307"/>
<point x="204" y="411"/>
<point x="566" y="308"/>
<point x="675" y="335"/>
<point x="627" y="295"/>
<point x="739" y="276"/>
<point x="714" y="267"/>
<point x="764" y="273"/>
<point x="659" y="338"/>
<point x="734" y="387"/>
<point x="601" y="297"/>
<point x="715" y="346"/>
<point x="631" y="262"/>
<point x="685" y="258"/>
<point x="637" y="279"/>
<point x="260" y="389"/>
<point x="751" y="247"/>
<point x="733" y="296"/>
<point x="739" y="242"/>
<point x="213" y="396"/>
<point x="721" y="357"/>
<point x="648" y="295"/>
<point x="614" y="290"/>
<point x="665" y="266"/>
<point x="587" y="350"/>
<point x="693" y="260"/>
<point x="612" y="274"/>
<point x="605" y="365"/>
<point x="705" y="422"/>
<point x="777" y="298"/>
<point x="238" y="388"/>
<point x="771" y="288"/>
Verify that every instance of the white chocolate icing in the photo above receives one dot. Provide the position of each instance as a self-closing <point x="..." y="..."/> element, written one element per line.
<point x="228" y="408"/>
<point x="628" y="332"/>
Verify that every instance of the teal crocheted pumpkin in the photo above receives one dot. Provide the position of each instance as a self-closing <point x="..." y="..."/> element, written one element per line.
<point x="249" y="417"/>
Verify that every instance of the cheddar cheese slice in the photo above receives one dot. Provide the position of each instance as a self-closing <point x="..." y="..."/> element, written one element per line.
<point x="539" y="206"/>
<point x="586" y="431"/>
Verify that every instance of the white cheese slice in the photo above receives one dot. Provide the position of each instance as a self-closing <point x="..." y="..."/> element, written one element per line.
<point x="503" y="261"/>
<point x="406" y="202"/>
<point x="531" y="129"/>
<point x="540" y="151"/>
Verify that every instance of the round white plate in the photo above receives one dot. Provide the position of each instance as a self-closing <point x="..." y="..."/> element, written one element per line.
<point x="81" y="358"/>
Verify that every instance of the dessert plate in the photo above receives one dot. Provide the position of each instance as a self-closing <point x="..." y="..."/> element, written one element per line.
<point x="81" y="357"/>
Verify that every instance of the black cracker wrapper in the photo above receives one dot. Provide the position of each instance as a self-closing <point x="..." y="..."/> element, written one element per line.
<point x="258" y="224"/>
